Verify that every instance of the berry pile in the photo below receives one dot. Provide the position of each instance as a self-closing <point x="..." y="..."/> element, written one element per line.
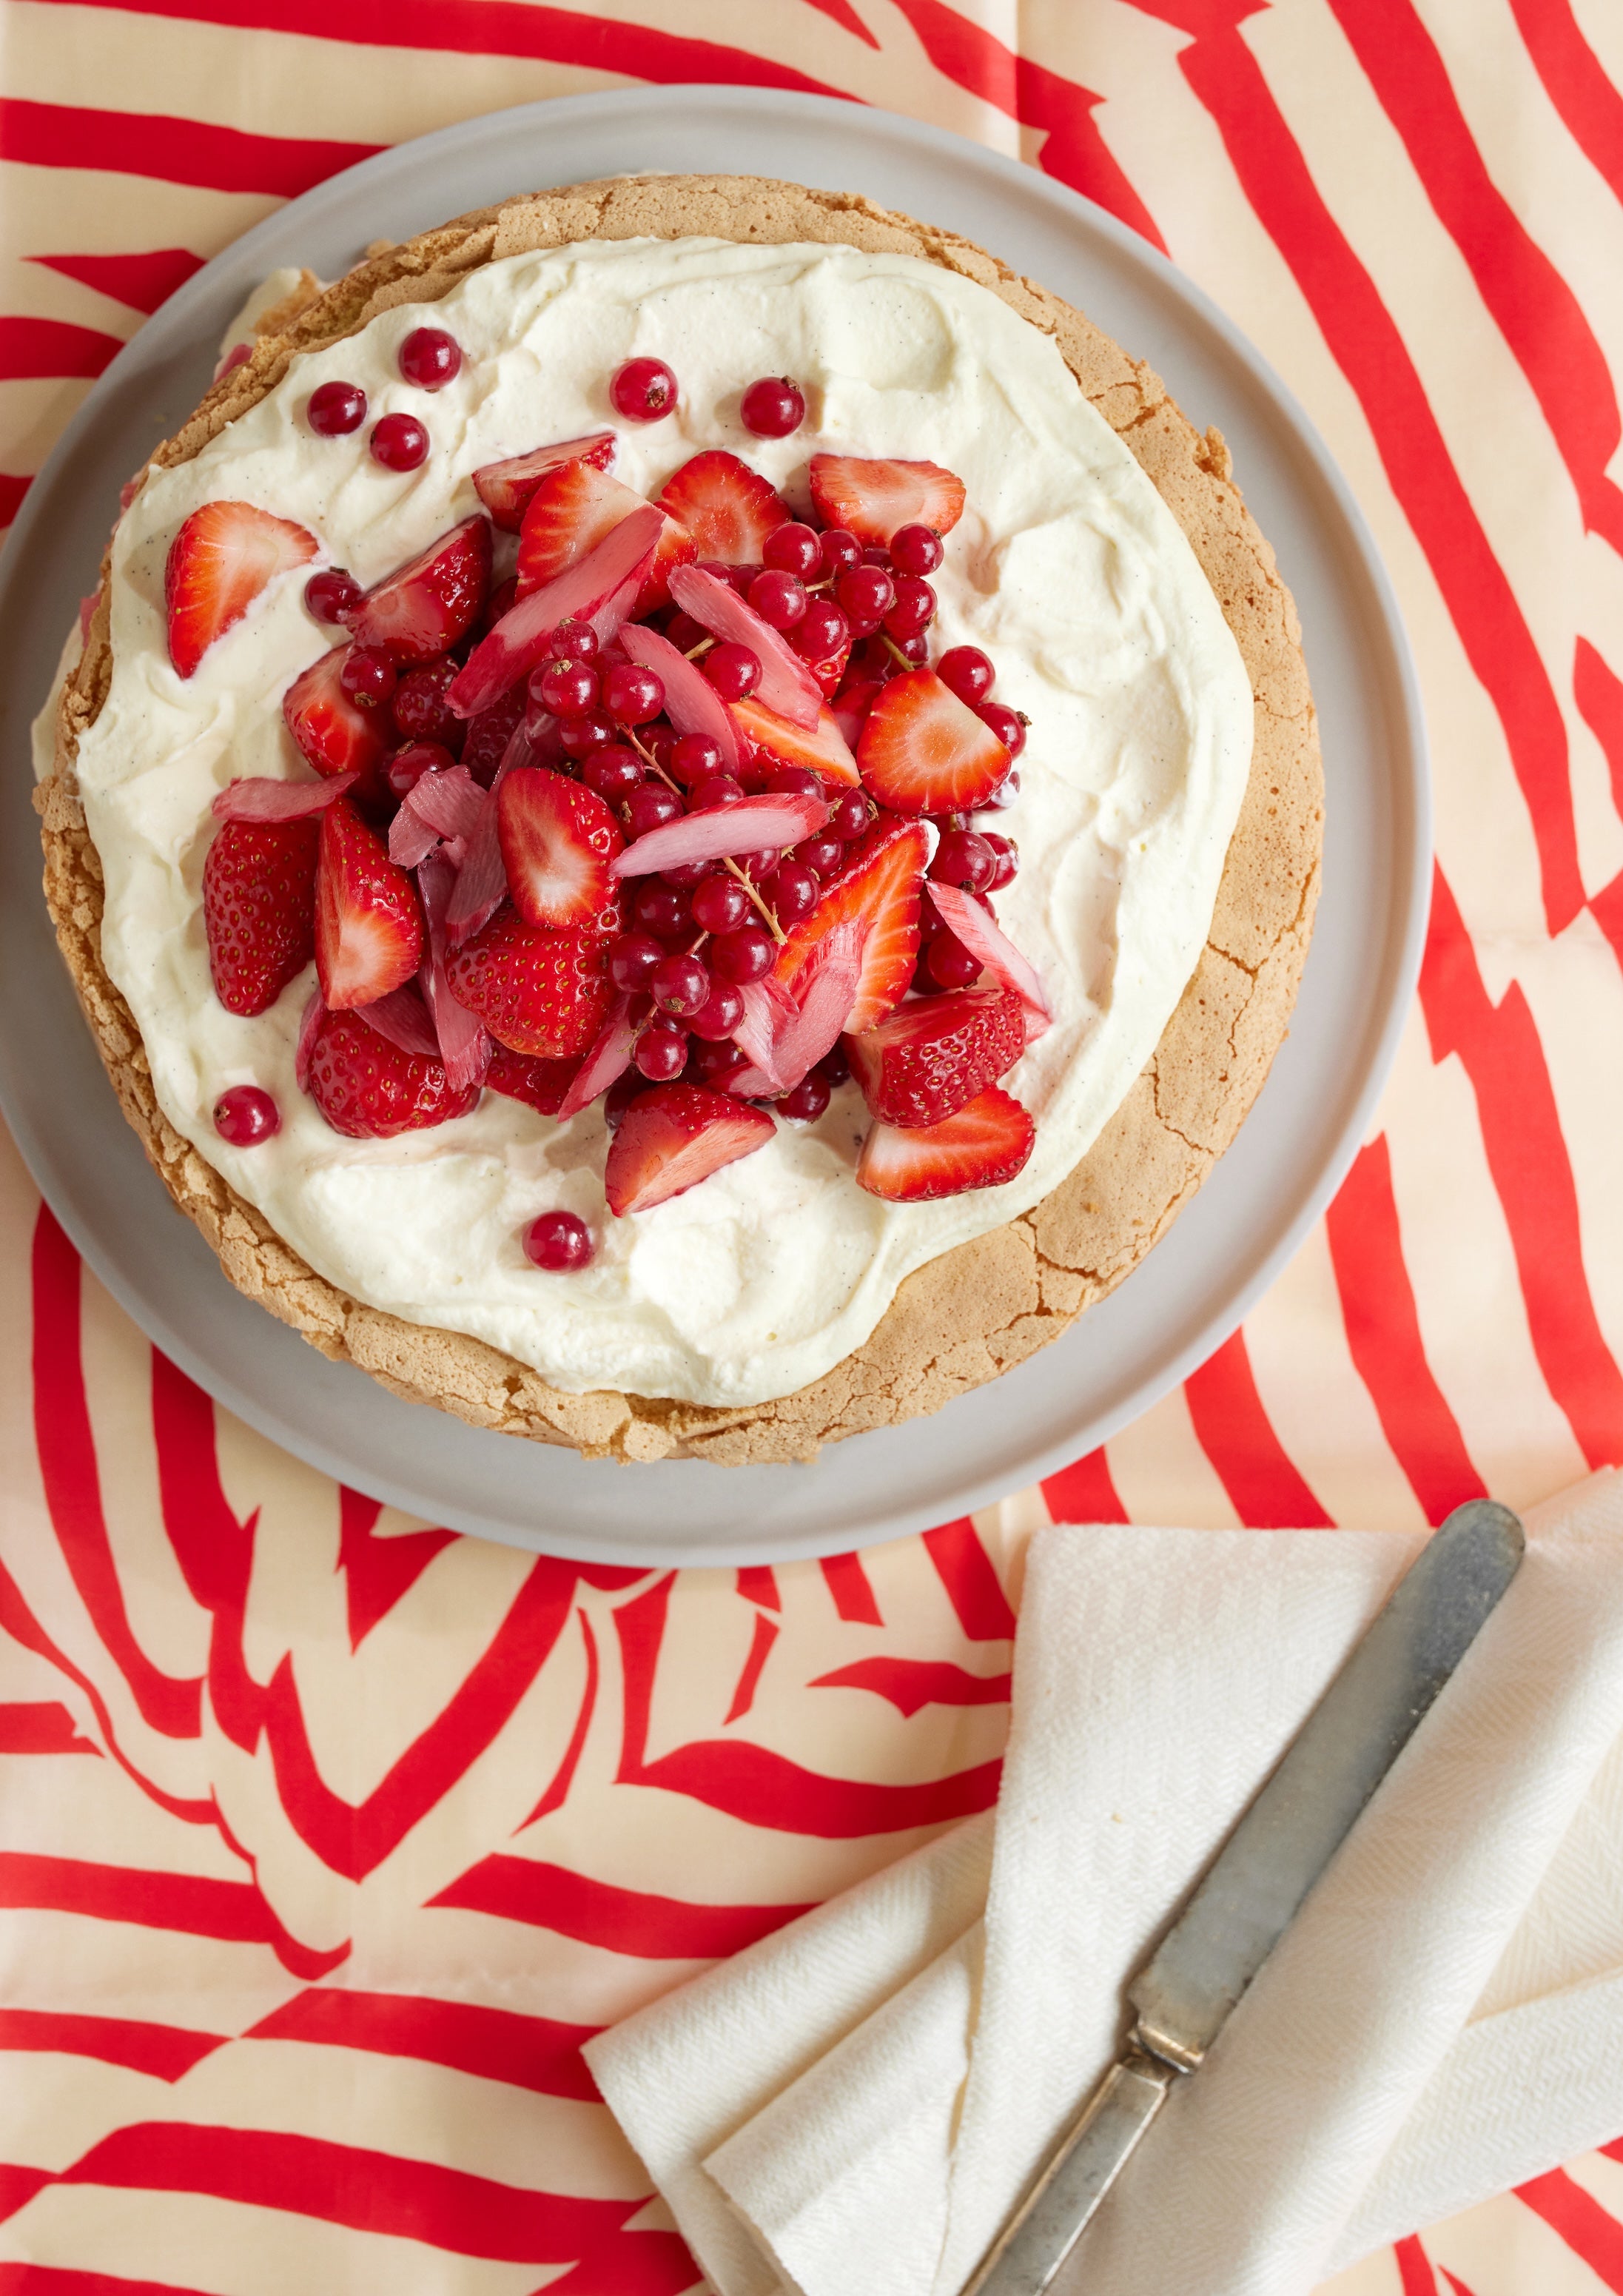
<point x="677" y="815"/>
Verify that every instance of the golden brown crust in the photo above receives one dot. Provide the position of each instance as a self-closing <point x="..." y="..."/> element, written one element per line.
<point x="987" y="1303"/>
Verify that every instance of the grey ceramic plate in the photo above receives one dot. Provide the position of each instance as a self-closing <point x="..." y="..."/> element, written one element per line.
<point x="1247" y="1220"/>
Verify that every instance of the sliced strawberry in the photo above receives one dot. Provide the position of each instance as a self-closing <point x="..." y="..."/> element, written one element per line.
<point x="539" y="992"/>
<point x="786" y="684"/>
<point x="540" y="1085"/>
<point x="776" y="743"/>
<point x="878" y="890"/>
<point x="984" y="1143"/>
<point x="490" y="734"/>
<point x="371" y="1089"/>
<point x="335" y="733"/>
<point x="933" y="1055"/>
<point x="851" y="705"/>
<point x="575" y="507"/>
<point x="922" y="751"/>
<point x="831" y="670"/>
<point x="222" y="558"/>
<point x="874" y="498"/>
<point x="674" y="1137"/>
<point x="505" y="488"/>
<point x="260" y="909"/>
<point x="599" y="587"/>
<point x="558" y="841"/>
<point x="368" y="919"/>
<point x="727" y="508"/>
<point x="423" y="610"/>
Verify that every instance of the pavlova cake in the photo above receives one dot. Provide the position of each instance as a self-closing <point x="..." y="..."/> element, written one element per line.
<point x="688" y="815"/>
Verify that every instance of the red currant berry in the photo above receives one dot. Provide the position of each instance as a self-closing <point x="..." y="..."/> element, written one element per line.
<point x="399" y="442"/>
<point x="661" y="909"/>
<point x="849" y="817"/>
<point x="837" y="548"/>
<point x="661" y="1051"/>
<point x="650" y="806"/>
<point x="499" y="602"/>
<point x="420" y="706"/>
<point x="795" y="781"/>
<point x="410" y="762"/>
<point x="332" y="596"/>
<point x="720" y="904"/>
<point x="821" y="855"/>
<point x="694" y="758"/>
<point x="916" y="550"/>
<point x="1003" y="795"/>
<point x="574" y="641"/>
<point x="642" y="389"/>
<point x="632" y="694"/>
<point x="634" y="959"/>
<point x="367" y="676"/>
<point x="963" y="859"/>
<point x="793" y="549"/>
<point x="866" y="594"/>
<point x="245" y="1115"/>
<point x="742" y="956"/>
<point x="967" y="672"/>
<point x="916" y="648"/>
<point x="821" y="631"/>
<point x="778" y="598"/>
<point x="1007" y="724"/>
<point x="335" y="408"/>
<point x="710" y="1059"/>
<point x="580" y="736"/>
<point x="626" y="1088"/>
<point x="732" y="670"/>
<point x="431" y="358"/>
<point x="791" y="892"/>
<point x="757" y="866"/>
<point x="568" y="689"/>
<point x="806" y="1104"/>
<point x="558" y="1241"/>
<point x="614" y="772"/>
<point x="773" y="407"/>
<point x="715" y="790"/>
<point x="1005" y="859"/>
<point x="681" y="985"/>
<point x="835" y="1066"/>
<point x="686" y="874"/>
<point x="684" y="633"/>
<point x="914" y="607"/>
<point x="950" y="964"/>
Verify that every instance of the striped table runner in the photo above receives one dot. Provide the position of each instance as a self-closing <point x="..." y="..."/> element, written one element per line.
<point x="325" y="1838"/>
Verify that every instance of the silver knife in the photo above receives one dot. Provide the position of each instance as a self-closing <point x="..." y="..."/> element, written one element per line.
<point x="1272" y="1858"/>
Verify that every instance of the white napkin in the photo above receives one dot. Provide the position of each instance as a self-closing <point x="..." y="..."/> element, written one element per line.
<point x="851" y="2107"/>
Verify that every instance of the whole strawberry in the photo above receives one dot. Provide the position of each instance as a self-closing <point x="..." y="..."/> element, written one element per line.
<point x="368" y="1089"/>
<point x="538" y="991"/>
<point x="260" y="909"/>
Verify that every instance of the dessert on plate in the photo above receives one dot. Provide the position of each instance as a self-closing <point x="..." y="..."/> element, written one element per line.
<point x="688" y="815"/>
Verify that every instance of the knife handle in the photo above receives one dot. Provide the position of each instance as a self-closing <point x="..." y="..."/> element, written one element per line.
<point x="1038" y="2239"/>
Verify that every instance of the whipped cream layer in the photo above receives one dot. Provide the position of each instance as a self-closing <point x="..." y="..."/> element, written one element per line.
<point x="1067" y="567"/>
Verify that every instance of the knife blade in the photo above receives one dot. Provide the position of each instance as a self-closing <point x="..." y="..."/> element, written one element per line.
<point x="1259" y="1879"/>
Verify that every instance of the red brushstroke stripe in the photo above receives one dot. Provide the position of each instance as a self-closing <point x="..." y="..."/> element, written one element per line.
<point x="1414" y="2267"/>
<point x="1084" y="1492"/>
<point x="910" y="1683"/>
<point x="1237" y="1435"/>
<point x="1606" y="907"/>
<point x="72" y="1486"/>
<point x="173" y="150"/>
<point x="17" y="2186"/>
<point x="12" y="488"/>
<point x="193" y="1905"/>
<point x="492" y="28"/>
<point x="1073" y="151"/>
<point x="378" y="1571"/>
<point x="63" y="2280"/>
<point x="142" y="282"/>
<point x="164" y="2051"/>
<point x="44" y="1726"/>
<point x="1598" y="690"/>
<point x="759" y="1786"/>
<point x="634" y="1922"/>
<point x="1532" y="1174"/>
<point x="765" y="1633"/>
<point x="1580" y="2221"/>
<point x="355" y="2185"/>
<point x="558" y="1792"/>
<point x="1384" y="1338"/>
<point x="1454" y="2282"/>
<point x="973" y="1587"/>
<point x="34" y="348"/>
<point x="848" y="1582"/>
<point x="756" y="1583"/>
<point x="1575" y="83"/>
<point x="841" y="13"/>
<point x="537" y="2053"/>
<point x="1369" y="351"/>
<point x="1532" y="306"/>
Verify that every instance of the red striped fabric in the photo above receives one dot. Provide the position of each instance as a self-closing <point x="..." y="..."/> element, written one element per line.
<point x="378" y="1825"/>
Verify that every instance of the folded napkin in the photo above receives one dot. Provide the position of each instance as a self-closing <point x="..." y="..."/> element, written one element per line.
<point x="851" y="2107"/>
